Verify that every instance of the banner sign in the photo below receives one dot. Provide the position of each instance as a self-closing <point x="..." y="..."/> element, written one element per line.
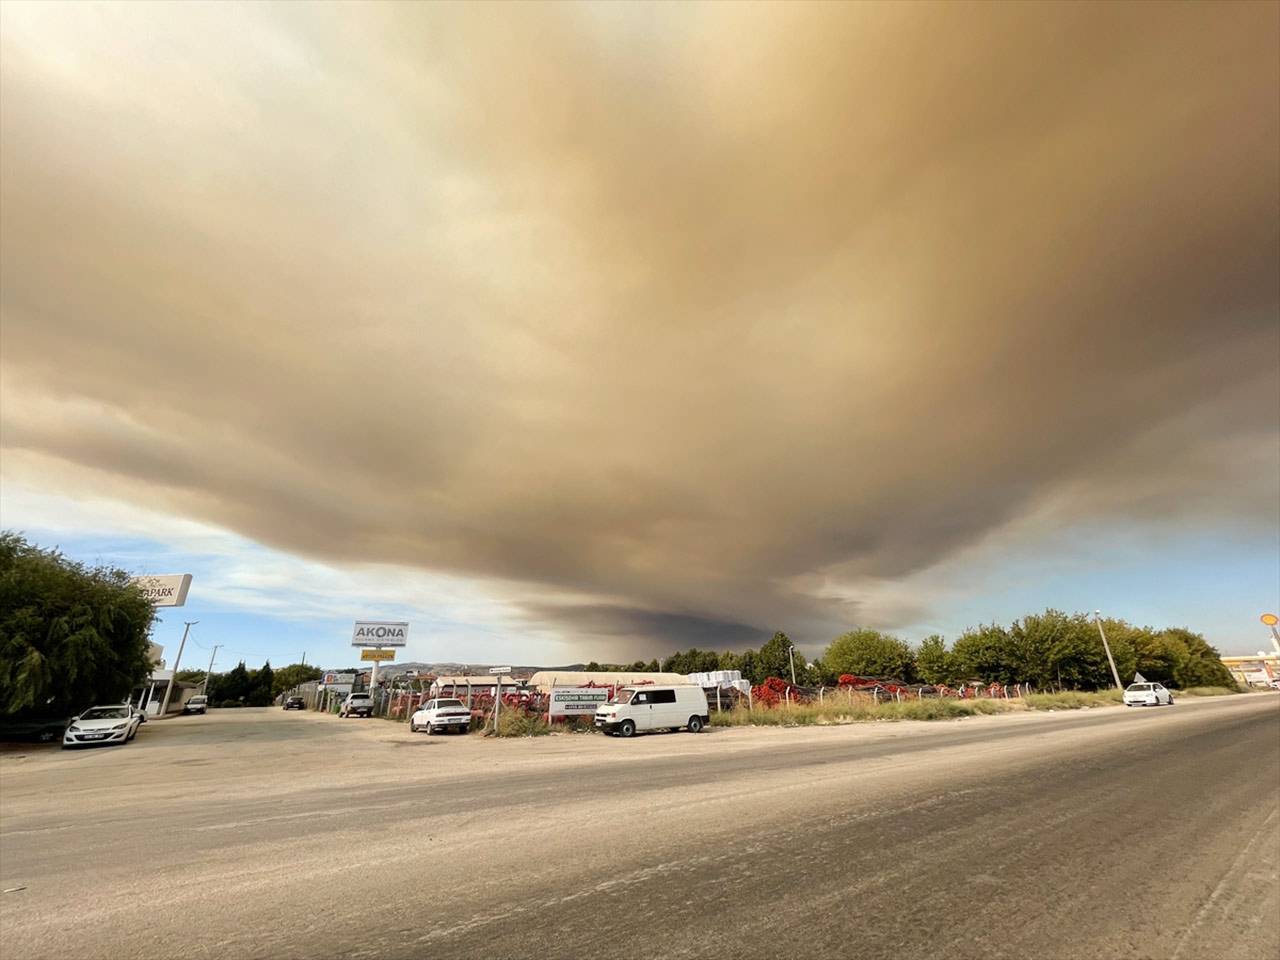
<point x="499" y="671"/>
<point x="169" y="590"/>
<point x="380" y="633"/>
<point x="577" y="701"/>
<point x="338" y="679"/>
<point x="378" y="655"/>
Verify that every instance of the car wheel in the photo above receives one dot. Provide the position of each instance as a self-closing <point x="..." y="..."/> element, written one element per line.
<point x="627" y="728"/>
<point x="431" y="729"/>
<point x="1171" y="701"/>
<point x="695" y="724"/>
<point x="413" y="727"/>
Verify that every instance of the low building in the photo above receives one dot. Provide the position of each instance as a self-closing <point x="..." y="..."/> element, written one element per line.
<point x="543" y="680"/>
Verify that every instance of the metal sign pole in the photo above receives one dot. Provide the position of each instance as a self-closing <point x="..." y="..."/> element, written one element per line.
<point x="168" y="691"/>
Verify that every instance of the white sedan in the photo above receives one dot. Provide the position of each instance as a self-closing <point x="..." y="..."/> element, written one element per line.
<point x="441" y="714"/>
<point x="96" y="726"/>
<point x="1146" y="695"/>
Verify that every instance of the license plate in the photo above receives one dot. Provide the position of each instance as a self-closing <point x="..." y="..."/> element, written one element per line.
<point x="94" y="736"/>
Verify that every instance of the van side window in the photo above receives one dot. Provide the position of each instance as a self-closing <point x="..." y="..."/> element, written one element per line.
<point x="664" y="696"/>
<point x="643" y="698"/>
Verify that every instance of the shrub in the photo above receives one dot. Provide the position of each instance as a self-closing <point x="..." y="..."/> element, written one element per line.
<point x="514" y="722"/>
<point x="1072" y="699"/>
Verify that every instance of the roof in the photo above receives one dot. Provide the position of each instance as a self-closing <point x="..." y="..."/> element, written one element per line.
<point x="476" y="680"/>
<point x="543" y="679"/>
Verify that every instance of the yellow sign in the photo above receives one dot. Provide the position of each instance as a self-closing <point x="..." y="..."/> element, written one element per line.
<point x="377" y="654"/>
<point x="1270" y="619"/>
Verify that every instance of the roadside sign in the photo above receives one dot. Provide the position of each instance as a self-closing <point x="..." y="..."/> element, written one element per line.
<point x="497" y="671"/>
<point x="338" y="679"/>
<point x="1270" y="619"/>
<point x="380" y="633"/>
<point x="577" y="701"/>
<point x="167" y="590"/>
<point x="377" y="655"/>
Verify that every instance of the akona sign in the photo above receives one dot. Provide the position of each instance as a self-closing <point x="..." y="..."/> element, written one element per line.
<point x="380" y="633"/>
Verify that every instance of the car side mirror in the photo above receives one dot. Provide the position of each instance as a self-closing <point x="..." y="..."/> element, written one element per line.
<point x="74" y="719"/>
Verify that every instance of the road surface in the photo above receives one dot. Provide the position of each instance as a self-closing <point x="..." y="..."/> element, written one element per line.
<point x="1105" y="833"/>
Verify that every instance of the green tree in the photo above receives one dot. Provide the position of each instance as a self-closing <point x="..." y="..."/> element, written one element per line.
<point x="870" y="653"/>
<point x="261" y="686"/>
<point x="235" y="684"/>
<point x="934" y="662"/>
<point x="774" y="660"/>
<point x="70" y="635"/>
<point x="286" y="678"/>
<point x="1202" y="666"/>
<point x="982" y="653"/>
<point x="189" y="676"/>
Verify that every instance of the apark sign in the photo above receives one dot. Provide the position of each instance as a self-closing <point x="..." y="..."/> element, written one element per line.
<point x="168" y="590"/>
<point x="380" y="633"/>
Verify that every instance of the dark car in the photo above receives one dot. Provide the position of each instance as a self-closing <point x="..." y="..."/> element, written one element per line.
<point x="295" y="703"/>
<point x="33" y="729"/>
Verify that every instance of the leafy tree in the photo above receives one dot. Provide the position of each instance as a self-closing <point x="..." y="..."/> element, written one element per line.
<point x="869" y="653"/>
<point x="1203" y="666"/>
<point x="774" y="660"/>
<point x="261" y="693"/>
<point x="934" y="662"/>
<point x="235" y="684"/>
<point x="286" y="678"/>
<point x="190" y="676"/>
<point x="70" y="635"/>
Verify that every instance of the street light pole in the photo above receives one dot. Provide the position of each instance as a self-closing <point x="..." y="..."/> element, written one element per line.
<point x="791" y="655"/>
<point x="168" y="691"/>
<point x="1115" y="675"/>
<point x="204" y="687"/>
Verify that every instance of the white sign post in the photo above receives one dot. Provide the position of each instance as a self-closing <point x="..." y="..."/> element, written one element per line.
<point x="577" y="701"/>
<point x="379" y="633"/>
<point x="497" y="700"/>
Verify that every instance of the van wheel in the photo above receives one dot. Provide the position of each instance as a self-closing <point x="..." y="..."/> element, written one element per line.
<point x="627" y="728"/>
<point x="695" y="724"/>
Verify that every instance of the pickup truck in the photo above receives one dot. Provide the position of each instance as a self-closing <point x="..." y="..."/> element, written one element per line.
<point x="356" y="705"/>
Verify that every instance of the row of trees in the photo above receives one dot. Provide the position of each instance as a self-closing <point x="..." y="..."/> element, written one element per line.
<point x="1050" y="649"/>
<point x="255" y="688"/>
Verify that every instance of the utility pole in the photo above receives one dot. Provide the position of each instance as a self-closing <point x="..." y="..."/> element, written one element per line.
<point x="1115" y="675"/>
<point x="304" y="658"/>
<point x="168" y="691"/>
<point x="204" y="687"/>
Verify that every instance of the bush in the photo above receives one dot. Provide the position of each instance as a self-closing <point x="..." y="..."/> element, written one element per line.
<point x="260" y="698"/>
<point x="1208" y="691"/>
<point x="513" y="722"/>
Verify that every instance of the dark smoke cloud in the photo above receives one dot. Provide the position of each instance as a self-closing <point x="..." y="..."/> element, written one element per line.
<point x="704" y="315"/>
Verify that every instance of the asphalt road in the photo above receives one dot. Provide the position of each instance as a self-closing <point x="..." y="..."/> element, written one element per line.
<point x="1106" y="833"/>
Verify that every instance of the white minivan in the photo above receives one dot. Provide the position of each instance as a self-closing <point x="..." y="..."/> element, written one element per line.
<point x="635" y="709"/>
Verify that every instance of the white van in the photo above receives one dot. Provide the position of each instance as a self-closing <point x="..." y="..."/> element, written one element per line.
<point x="654" y="708"/>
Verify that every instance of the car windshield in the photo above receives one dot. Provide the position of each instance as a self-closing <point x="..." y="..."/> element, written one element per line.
<point x="359" y="696"/>
<point x="196" y="700"/>
<point x="105" y="713"/>
<point x="623" y="696"/>
<point x="448" y="703"/>
<point x="1139" y="686"/>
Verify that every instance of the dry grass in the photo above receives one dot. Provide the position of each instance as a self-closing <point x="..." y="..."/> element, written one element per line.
<point x="857" y="710"/>
<point x="1205" y="692"/>
<point x="1073" y="699"/>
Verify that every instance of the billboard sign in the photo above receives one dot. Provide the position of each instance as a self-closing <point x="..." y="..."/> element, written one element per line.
<point x="577" y="701"/>
<point x="332" y="680"/>
<point x="499" y="671"/>
<point x="377" y="655"/>
<point x="166" y="590"/>
<point x="380" y="633"/>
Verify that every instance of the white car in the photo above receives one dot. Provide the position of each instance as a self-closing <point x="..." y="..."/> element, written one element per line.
<point x="96" y="726"/>
<point x="1146" y="695"/>
<point x="197" y="704"/>
<point x="441" y="714"/>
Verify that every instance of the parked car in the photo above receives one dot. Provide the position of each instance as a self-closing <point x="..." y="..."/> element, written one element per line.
<point x="356" y="705"/>
<point x="635" y="709"/>
<point x="97" y="726"/>
<point x="197" y="704"/>
<point x="295" y="703"/>
<point x="441" y="714"/>
<point x="32" y="729"/>
<point x="1146" y="694"/>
